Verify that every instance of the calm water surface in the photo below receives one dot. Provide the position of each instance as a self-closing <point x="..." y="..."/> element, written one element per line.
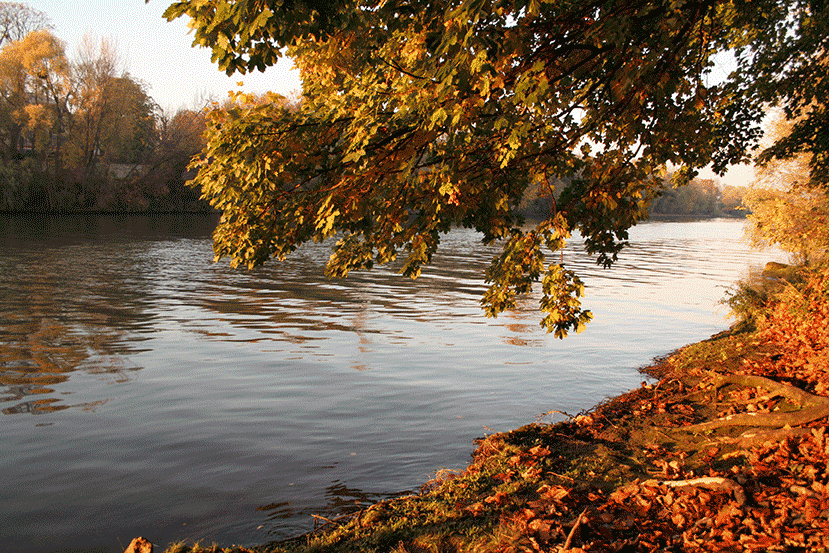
<point x="145" y="390"/>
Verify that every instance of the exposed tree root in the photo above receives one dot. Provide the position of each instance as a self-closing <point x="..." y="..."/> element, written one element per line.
<point x="754" y="437"/>
<point x="716" y="483"/>
<point x="813" y="408"/>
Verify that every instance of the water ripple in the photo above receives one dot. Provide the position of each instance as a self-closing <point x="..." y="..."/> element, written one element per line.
<point x="244" y="401"/>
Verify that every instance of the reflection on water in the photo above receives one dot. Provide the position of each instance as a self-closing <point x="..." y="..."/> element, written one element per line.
<point x="186" y="400"/>
<point x="72" y="301"/>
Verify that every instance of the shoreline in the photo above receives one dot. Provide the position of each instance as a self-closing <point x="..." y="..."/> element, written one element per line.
<point x="659" y="468"/>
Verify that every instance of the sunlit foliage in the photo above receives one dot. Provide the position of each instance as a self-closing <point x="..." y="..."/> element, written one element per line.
<point x="82" y="134"/>
<point x="788" y="209"/>
<point x="419" y="116"/>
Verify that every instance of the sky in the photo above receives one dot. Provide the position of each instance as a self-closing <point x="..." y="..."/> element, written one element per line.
<point x="157" y="52"/>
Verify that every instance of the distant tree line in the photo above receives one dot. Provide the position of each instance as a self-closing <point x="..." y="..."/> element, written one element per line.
<point x="81" y="134"/>
<point x="698" y="198"/>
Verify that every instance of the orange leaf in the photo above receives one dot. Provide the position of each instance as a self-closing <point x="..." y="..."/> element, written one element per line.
<point x="497" y="498"/>
<point x="476" y="509"/>
<point x="553" y="492"/>
<point x="678" y="520"/>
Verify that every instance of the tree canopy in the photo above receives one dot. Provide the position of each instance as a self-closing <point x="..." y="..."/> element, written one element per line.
<point x="82" y="134"/>
<point x="419" y="115"/>
<point x="787" y="209"/>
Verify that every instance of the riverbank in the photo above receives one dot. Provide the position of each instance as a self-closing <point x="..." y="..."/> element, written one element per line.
<point x="727" y="451"/>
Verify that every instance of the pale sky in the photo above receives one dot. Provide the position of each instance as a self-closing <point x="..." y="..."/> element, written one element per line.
<point x="737" y="175"/>
<point x="156" y="52"/>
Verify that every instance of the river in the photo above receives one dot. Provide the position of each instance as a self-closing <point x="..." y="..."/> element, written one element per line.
<point x="145" y="390"/>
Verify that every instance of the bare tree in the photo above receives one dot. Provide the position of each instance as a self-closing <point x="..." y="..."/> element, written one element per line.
<point x="18" y="20"/>
<point x="97" y="67"/>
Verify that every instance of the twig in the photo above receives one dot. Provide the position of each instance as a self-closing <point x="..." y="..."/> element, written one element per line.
<point x="658" y="431"/>
<point x="336" y="520"/>
<point x="318" y="518"/>
<point x="573" y="530"/>
<point x="554" y="411"/>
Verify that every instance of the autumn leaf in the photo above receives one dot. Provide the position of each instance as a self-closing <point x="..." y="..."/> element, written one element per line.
<point x="496" y="498"/>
